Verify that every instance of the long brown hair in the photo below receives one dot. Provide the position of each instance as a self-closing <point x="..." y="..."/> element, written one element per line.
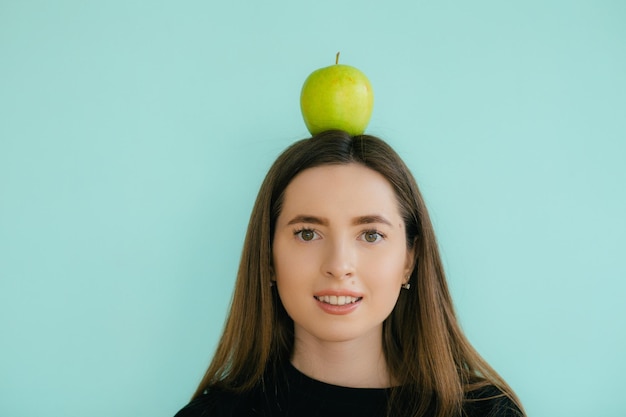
<point x="425" y="349"/>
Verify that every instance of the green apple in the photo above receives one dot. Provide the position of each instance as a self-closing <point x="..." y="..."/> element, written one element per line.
<point x="337" y="97"/>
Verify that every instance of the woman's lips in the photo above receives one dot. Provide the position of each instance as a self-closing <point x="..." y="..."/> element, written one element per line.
<point x="338" y="302"/>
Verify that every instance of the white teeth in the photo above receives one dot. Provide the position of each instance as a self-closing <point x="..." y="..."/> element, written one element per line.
<point x="337" y="300"/>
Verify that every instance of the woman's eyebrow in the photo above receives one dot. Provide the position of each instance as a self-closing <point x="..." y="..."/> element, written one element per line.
<point x="303" y="218"/>
<point x="374" y="218"/>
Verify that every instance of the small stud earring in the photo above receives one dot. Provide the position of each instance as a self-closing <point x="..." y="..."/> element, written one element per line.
<point x="406" y="285"/>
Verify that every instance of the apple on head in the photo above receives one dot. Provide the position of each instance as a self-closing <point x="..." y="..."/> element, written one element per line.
<point x="337" y="97"/>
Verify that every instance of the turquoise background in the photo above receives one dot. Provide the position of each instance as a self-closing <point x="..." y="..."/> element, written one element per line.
<point x="134" y="136"/>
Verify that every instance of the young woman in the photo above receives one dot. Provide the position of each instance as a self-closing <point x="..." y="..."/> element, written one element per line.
<point x="341" y="306"/>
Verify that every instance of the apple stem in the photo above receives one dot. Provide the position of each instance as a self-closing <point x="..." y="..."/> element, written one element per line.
<point x="337" y="58"/>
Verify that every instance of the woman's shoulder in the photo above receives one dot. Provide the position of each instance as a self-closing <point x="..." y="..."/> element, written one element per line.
<point x="217" y="403"/>
<point x="490" y="401"/>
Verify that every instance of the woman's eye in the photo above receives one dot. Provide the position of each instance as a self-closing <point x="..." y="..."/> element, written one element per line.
<point x="306" y="235"/>
<point x="372" y="236"/>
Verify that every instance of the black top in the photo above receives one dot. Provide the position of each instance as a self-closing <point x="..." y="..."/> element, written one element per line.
<point x="298" y="395"/>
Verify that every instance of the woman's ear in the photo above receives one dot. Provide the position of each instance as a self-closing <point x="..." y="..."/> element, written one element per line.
<point x="409" y="264"/>
<point x="272" y="275"/>
<point x="411" y="260"/>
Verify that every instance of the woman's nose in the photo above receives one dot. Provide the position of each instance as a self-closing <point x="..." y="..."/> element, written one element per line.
<point x="339" y="260"/>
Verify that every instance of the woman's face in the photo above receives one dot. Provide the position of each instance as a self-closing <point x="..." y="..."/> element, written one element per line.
<point x="339" y="253"/>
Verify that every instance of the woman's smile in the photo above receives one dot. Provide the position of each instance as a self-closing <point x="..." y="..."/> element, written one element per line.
<point x="338" y="302"/>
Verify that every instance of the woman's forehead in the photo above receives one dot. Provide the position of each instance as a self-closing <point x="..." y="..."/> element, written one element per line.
<point x="348" y="190"/>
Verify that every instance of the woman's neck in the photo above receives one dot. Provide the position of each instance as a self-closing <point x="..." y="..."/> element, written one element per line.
<point x="358" y="363"/>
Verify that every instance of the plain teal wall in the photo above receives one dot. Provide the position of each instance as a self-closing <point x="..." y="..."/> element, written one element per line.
<point x="134" y="136"/>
